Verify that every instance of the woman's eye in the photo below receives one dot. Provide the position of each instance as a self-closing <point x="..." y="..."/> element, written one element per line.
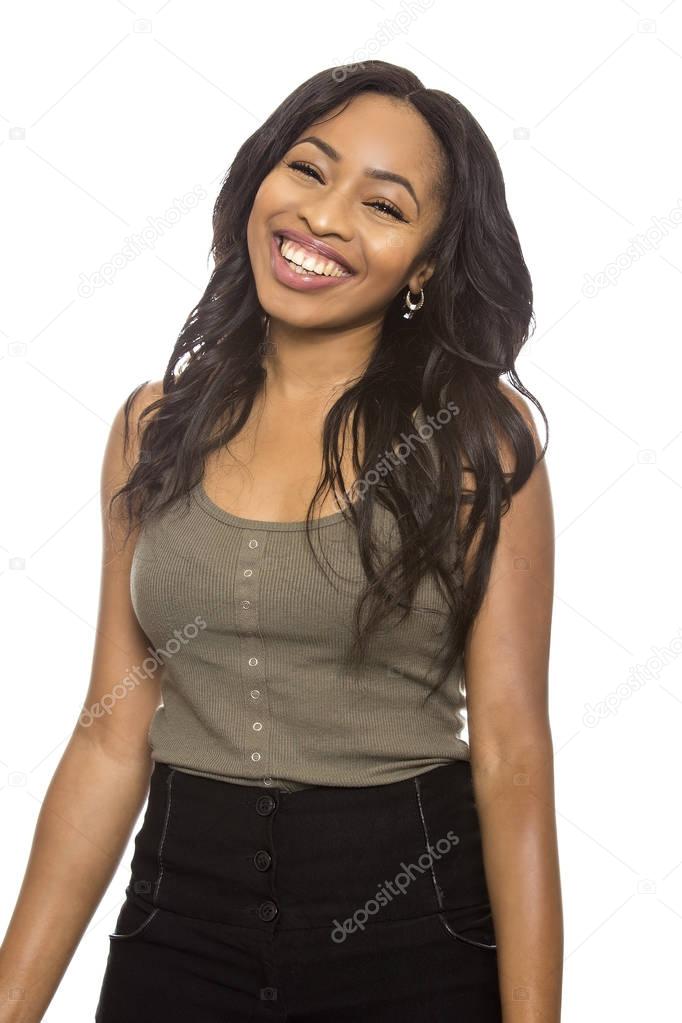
<point x="299" y="165"/>
<point x="309" y="171"/>
<point x="391" y="210"/>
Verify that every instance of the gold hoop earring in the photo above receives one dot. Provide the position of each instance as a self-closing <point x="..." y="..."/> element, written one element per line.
<point x="412" y="306"/>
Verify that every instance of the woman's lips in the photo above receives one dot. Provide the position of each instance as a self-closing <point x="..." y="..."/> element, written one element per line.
<point x="300" y="281"/>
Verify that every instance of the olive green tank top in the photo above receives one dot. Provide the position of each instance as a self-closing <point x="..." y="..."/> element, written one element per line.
<point x="249" y="635"/>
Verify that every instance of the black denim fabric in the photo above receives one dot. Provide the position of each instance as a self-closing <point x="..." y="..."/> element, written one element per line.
<point x="323" y="905"/>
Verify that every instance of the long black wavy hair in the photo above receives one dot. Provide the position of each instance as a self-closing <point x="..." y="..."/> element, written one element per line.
<point x="450" y="355"/>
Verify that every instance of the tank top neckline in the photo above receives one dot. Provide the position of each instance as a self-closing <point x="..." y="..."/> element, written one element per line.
<point x="211" y="508"/>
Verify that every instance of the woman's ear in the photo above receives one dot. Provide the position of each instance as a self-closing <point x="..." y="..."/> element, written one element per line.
<point x="419" y="279"/>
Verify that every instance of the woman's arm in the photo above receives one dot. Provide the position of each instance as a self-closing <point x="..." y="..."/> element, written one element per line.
<point x="98" y="788"/>
<point x="506" y="666"/>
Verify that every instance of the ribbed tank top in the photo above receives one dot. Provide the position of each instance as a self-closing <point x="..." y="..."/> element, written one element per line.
<point x="250" y="634"/>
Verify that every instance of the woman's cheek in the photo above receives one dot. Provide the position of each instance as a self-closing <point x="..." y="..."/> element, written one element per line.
<point x="388" y="269"/>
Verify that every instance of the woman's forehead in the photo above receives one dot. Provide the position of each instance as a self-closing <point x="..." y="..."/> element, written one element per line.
<point x="380" y="132"/>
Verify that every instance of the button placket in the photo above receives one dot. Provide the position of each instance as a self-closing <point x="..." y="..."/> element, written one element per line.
<point x="252" y="654"/>
<point x="267" y="909"/>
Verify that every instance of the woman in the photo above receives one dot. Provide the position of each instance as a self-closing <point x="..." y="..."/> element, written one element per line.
<point x="330" y="526"/>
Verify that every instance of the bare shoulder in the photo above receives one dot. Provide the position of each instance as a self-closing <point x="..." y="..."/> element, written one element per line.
<point x="127" y="426"/>
<point x="530" y="517"/>
<point x="129" y="422"/>
<point x="524" y="408"/>
<point x="505" y="447"/>
<point x="122" y="450"/>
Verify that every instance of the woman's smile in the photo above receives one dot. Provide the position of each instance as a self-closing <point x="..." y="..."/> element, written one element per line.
<point x="298" y="266"/>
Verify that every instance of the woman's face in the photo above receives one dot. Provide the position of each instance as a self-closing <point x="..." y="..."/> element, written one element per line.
<point x="332" y="191"/>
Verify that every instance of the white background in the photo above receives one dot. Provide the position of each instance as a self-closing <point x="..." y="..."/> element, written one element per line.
<point x="109" y="113"/>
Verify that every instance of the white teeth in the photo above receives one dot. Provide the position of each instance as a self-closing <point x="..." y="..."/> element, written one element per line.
<point x="305" y="262"/>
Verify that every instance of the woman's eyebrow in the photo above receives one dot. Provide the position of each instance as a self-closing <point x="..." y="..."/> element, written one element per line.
<point x="372" y="172"/>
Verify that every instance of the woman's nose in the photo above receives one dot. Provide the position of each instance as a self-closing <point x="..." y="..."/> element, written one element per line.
<point x="328" y="215"/>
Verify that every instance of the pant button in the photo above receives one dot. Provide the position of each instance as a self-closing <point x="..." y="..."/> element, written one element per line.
<point x="265" y="805"/>
<point x="262" y="859"/>
<point x="267" y="910"/>
<point x="268" y="993"/>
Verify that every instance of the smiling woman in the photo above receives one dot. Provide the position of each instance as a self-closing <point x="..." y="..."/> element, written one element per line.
<point x="367" y="187"/>
<point x="369" y="293"/>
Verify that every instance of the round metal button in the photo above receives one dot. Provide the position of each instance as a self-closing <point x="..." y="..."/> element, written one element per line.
<point x="262" y="860"/>
<point x="255" y="756"/>
<point x="253" y="543"/>
<point x="257" y="726"/>
<point x="253" y="661"/>
<point x="268" y="910"/>
<point x="265" y="805"/>
<point x="246" y="604"/>
<point x="248" y="572"/>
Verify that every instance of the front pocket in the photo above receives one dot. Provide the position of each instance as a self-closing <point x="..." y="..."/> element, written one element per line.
<point x="460" y="888"/>
<point x="134" y="916"/>
<point x="485" y="937"/>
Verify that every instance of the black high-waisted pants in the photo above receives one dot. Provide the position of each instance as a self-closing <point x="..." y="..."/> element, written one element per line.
<point x="323" y="905"/>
